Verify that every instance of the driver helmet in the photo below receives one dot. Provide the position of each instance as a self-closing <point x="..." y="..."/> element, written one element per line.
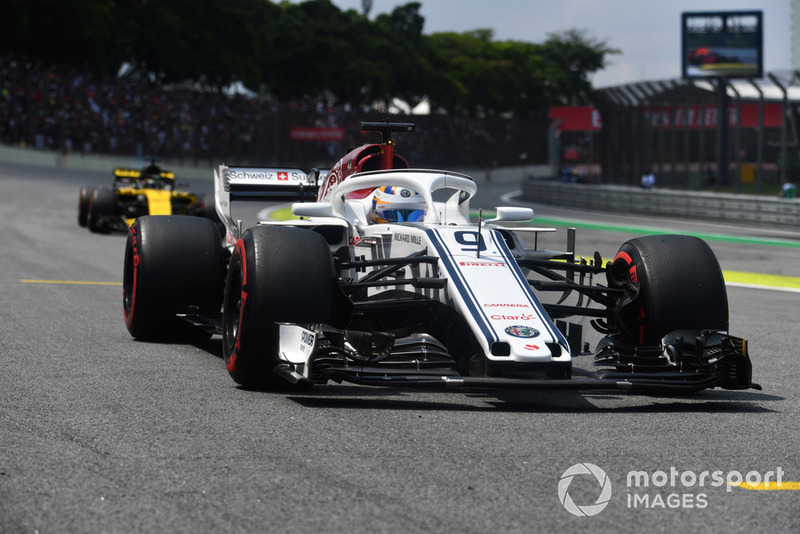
<point x="392" y="203"/>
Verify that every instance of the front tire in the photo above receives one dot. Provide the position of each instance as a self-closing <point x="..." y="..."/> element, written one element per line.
<point x="173" y="263"/>
<point x="681" y="287"/>
<point x="276" y="274"/>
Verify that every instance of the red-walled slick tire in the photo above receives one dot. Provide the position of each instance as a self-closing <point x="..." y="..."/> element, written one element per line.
<point x="276" y="274"/>
<point x="173" y="264"/>
<point x="681" y="287"/>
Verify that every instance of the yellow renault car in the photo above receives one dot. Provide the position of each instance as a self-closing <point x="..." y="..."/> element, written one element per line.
<point x="149" y="191"/>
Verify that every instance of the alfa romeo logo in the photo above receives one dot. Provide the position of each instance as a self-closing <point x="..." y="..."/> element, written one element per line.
<point x="519" y="330"/>
<point x="581" y="470"/>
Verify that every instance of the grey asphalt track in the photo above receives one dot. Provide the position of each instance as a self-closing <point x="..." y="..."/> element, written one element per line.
<point x="101" y="433"/>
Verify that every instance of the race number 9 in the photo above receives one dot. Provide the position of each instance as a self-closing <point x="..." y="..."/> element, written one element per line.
<point x="471" y="241"/>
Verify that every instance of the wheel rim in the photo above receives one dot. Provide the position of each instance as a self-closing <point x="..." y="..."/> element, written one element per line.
<point x="127" y="282"/>
<point x="233" y="307"/>
<point x="129" y="275"/>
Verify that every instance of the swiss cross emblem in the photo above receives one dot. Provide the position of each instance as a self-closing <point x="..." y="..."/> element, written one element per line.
<point x="283" y="176"/>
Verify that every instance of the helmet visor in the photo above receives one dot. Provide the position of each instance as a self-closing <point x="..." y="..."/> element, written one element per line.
<point x="400" y="215"/>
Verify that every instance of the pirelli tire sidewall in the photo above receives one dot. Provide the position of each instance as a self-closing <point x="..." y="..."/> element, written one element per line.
<point x="173" y="263"/>
<point x="276" y="274"/>
<point x="681" y="286"/>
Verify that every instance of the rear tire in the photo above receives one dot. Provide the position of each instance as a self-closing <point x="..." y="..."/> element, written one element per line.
<point x="276" y="274"/>
<point x="83" y="205"/>
<point x="172" y="263"/>
<point x="681" y="287"/>
<point x="208" y="209"/>
<point x="101" y="209"/>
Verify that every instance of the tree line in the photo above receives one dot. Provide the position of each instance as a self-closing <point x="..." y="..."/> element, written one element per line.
<point x="311" y="49"/>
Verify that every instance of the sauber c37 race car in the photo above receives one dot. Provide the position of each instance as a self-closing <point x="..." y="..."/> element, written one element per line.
<point x="385" y="280"/>
<point x="149" y="191"/>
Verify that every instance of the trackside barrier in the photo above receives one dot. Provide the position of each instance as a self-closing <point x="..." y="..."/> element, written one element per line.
<point x="744" y="209"/>
<point x="204" y="170"/>
<point x="721" y="207"/>
<point x="100" y="163"/>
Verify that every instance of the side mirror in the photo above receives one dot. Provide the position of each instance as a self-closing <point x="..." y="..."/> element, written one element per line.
<point x="512" y="214"/>
<point x="312" y="209"/>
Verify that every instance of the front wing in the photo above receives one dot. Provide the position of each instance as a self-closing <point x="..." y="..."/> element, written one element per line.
<point x="686" y="363"/>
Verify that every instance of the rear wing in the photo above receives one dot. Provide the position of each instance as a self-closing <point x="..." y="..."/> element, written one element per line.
<point x="129" y="176"/>
<point x="262" y="184"/>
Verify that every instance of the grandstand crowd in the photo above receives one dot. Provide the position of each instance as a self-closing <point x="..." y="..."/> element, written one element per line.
<point x="49" y="107"/>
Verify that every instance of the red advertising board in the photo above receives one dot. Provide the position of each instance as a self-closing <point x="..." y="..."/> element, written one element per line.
<point x="576" y="118"/>
<point x="582" y="118"/>
<point x="299" y="133"/>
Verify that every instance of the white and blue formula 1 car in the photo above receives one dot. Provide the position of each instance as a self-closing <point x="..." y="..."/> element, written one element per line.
<point x="385" y="280"/>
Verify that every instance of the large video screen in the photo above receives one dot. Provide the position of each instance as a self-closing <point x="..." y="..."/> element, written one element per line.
<point x="725" y="44"/>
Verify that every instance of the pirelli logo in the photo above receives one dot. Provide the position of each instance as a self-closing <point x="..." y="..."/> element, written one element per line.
<point x="481" y="264"/>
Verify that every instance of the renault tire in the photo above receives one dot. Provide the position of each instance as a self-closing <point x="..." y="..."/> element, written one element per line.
<point x="102" y="205"/>
<point x="84" y="198"/>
